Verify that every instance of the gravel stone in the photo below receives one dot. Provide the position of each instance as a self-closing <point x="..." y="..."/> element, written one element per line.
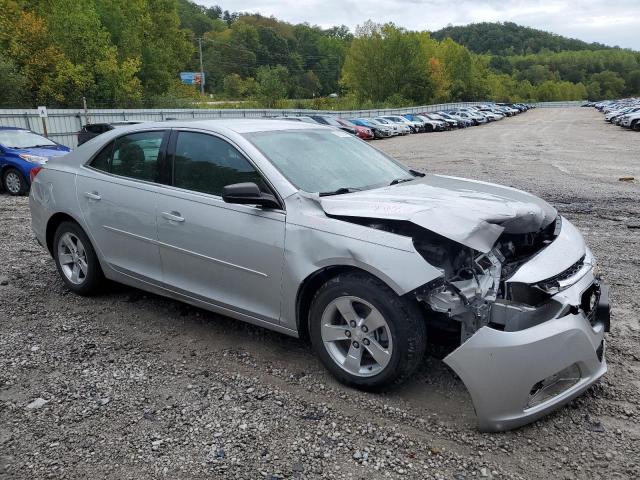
<point x="37" y="403"/>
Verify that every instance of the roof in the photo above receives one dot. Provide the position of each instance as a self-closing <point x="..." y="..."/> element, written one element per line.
<point x="237" y="125"/>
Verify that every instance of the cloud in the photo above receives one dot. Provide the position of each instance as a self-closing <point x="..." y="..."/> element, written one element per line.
<point x="612" y="22"/>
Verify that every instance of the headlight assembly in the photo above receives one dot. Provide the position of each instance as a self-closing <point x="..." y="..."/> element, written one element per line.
<point x="33" y="158"/>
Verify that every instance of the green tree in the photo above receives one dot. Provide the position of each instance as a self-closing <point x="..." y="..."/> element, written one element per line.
<point x="632" y="82"/>
<point x="14" y="85"/>
<point x="167" y="47"/>
<point x="272" y="84"/>
<point x="78" y="31"/>
<point x="611" y="85"/>
<point x="309" y="85"/>
<point x="383" y="61"/>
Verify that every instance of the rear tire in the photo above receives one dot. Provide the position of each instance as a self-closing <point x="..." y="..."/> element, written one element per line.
<point x="387" y="334"/>
<point x="76" y="260"/>
<point x="14" y="183"/>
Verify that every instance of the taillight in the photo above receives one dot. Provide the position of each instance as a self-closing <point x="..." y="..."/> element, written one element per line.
<point x="34" y="172"/>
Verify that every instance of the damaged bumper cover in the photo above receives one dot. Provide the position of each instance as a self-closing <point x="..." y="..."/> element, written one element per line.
<point x="516" y="377"/>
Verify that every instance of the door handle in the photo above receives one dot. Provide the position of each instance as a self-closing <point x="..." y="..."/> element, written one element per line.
<point x="92" y="195"/>
<point x="173" y="216"/>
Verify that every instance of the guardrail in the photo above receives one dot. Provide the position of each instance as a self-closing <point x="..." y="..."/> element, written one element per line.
<point x="63" y="124"/>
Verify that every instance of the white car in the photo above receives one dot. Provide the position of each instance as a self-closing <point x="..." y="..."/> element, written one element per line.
<point x="436" y="125"/>
<point x="401" y="128"/>
<point x="401" y="121"/>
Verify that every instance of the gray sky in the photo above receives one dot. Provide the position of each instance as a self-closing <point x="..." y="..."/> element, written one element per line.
<point x="612" y="22"/>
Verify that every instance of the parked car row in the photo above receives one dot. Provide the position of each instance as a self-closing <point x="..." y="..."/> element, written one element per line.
<point x="624" y="112"/>
<point x="385" y="126"/>
<point x="23" y="152"/>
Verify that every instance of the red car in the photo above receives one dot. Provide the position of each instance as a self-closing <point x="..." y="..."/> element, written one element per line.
<point x="362" y="132"/>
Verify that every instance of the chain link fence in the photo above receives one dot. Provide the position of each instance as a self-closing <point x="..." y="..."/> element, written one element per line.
<point x="62" y="125"/>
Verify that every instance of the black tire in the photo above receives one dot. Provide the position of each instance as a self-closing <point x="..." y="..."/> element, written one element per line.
<point x="94" y="277"/>
<point x="406" y="324"/>
<point x="14" y="183"/>
<point x="636" y="126"/>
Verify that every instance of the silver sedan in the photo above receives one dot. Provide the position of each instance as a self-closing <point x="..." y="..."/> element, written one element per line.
<point x="309" y="231"/>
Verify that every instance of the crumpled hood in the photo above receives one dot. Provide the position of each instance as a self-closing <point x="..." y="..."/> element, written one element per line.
<point x="469" y="212"/>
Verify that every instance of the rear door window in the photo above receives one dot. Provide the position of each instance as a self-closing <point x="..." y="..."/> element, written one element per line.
<point x="136" y="156"/>
<point x="103" y="159"/>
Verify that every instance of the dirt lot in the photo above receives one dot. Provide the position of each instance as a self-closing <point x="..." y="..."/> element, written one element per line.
<point x="138" y="386"/>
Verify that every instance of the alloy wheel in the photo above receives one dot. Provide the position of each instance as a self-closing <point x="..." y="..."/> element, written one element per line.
<point x="356" y="336"/>
<point x="72" y="258"/>
<point x="13" y="182"/>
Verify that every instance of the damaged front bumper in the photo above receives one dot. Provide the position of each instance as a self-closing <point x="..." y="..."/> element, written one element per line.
<point x="516" y="377"/>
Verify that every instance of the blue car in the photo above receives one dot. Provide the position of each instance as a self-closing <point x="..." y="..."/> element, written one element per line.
<point x="20" y="152"/>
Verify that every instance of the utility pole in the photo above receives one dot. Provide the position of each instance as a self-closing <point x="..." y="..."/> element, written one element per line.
<point x="86" y="110"/>
<point x="201" y="67"/>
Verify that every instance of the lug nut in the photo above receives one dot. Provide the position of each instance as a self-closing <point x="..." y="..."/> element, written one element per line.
<point x="365" y="329"/>
<point x="347" y="333"/>
<point x="356" y="345"/>
<point x="365" y="341"/>
<point x="352" y="323"/>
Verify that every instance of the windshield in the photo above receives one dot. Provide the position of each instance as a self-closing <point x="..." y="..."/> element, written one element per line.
<point x="23" y="139"/>
<point x="332" y="121"/>
<point x="325" y="160"/>
<point x="346" y="123"/>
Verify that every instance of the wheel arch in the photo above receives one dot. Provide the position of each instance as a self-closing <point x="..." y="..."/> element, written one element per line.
<point x="310" y="286"/>
<point x="52" y="225"/>
<point x="10" y="166"/>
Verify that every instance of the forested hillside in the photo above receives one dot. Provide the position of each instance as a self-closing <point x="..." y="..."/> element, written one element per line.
<point x="129" y="53"/>
<point x="510" y="39"/>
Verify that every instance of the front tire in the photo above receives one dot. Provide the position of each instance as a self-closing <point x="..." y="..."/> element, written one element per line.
<point x="14" y="183"/>
<point x="365" y="335"/>
<point x="76" y="260"/>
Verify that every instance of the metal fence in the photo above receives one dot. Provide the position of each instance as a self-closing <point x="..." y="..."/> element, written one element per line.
<point x="63" y="124"/>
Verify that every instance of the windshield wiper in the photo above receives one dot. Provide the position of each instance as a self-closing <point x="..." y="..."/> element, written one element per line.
<point x="400" y="180"/>
<point x="42" y="146"/>
<point x="339" y="191"/>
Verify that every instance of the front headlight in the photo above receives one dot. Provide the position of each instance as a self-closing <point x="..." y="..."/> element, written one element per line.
<point x="33" y="158"/>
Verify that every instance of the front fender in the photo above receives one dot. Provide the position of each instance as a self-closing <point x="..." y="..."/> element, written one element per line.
<point x="315" y="241"/>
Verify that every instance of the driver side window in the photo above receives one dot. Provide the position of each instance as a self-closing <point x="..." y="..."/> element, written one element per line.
<point x="206" y="164"/>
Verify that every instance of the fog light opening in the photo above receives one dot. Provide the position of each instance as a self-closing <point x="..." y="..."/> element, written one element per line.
<point x="554" y="385"/>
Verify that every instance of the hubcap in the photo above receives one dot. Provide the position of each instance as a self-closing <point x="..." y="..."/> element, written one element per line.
<point x="356" y="336"/>
<point x="12" y="182"/>
<point x="72" y="258"/>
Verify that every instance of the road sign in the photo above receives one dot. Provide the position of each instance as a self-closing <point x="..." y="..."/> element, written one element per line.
<point x="192" y="78"/>
<point x="42" y="111"/>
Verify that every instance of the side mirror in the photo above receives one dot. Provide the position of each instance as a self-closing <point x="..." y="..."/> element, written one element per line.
<point x="248" y="193"/>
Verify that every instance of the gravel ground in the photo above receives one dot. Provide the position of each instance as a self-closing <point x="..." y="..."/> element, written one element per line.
<point x="131" y="385"/>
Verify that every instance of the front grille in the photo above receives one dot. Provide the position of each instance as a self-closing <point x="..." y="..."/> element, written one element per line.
<point x="554" y="282"/>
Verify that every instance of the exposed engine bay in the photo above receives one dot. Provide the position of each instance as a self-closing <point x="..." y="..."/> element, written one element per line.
<point x="473" y="290"/>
